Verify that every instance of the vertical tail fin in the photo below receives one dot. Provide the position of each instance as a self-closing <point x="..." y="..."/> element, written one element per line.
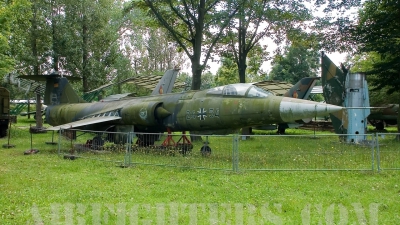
<point x="166" y="83"/>
<point x="302" y="89"/>
<point x="58" y="89"/>
<point x="333" y="85"/>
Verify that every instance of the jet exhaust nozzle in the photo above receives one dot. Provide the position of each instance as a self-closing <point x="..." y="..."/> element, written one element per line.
<point x="161" y="112"/>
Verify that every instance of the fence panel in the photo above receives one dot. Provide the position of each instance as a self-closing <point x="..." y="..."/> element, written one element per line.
<point x="308" y="152"/>
<point x="233" y="152"/>
<point x="205" y="152"/>
<point x="105" y="146"/>
<point x="388" y="151"/>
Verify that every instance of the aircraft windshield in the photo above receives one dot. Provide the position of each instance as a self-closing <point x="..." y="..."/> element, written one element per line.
<point x="256" y="92"/>
<point x="243" y="90"/>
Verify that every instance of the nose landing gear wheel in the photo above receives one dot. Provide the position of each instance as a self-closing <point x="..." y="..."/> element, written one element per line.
<point x="205" y="150"/>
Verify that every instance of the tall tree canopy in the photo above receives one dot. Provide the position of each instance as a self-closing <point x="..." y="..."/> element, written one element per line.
<point x="100" y="40"/>
<point x="297" y="62"/>
<point x="12" y="23"/>
<point x="260" y="19"/>
<point x="30" y="38"/>
<point x="378" y="30"/>
<point x="90" y="39"/>
<point x="78" y="38"/>
<point x="196" y="26"/>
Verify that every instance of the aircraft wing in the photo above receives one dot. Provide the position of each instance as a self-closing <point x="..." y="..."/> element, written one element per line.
<point x="87" y="121"/>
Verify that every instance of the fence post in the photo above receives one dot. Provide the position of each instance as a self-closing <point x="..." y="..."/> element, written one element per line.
<point x="235" y="153"/>
<point x="374" y="140"/>
<point x="128" y="153"/>
<point x="378" y="153"/>
<point x="59" y="142"/>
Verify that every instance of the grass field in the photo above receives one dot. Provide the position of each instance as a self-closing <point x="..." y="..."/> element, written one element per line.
<point x="46" y="189"/>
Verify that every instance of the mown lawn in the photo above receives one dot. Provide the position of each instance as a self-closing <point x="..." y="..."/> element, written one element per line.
<point x="46" y="189"/>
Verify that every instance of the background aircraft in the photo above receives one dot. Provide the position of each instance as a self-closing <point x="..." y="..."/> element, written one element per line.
<point x="384" y="115"/>
<point x="334" y="84"/>
<point x="348" y="90"/>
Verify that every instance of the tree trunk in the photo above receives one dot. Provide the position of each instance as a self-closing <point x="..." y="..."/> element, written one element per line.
<point x="53" y="27"/>
<point x="197" y="69"/>
<point x="85" y="56"/>
<point x="35" y="55"/>
<point x="242" y="67"/>
<point x="242" y="51"/>
<point x="39" y="120"/>
<point x="196" y="76"/>
<point x="398" y="124"/>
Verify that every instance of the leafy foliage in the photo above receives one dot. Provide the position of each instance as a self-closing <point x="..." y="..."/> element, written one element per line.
<point x="378" y="31"/>
<point x="107" y="40"/>
<point x="196" y="26"/>
<point x="255" y="21"/>
<point x="7" y="19"/>
<point x="332" y="22"/>
<point x="89" y="41"/>
<point x="227" y="73"/>
<point x="360" y="63"/>
<point x="297" y="62"/>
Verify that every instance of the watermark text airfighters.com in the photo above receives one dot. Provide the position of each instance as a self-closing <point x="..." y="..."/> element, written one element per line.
<point x="204" y="213"/>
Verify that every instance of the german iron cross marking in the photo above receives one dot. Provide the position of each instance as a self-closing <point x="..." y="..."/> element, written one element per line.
<point x="202" y="114"/>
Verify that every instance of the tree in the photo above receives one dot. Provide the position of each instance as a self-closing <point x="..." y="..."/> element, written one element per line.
<point x="150" y="49"/>
<point x="360" y="63"/>
<point x="255" y="59"/>
<point x="8" y="18"/>
<point x="30" y="39"/>
<point x="77" y="38"/>
<point x="378" y="30"/>
<point x="227" y="73"/>
<point x="13" y="24"/>
<point x="196" y="26"/>
<point x="331" y="22"/>
<point x="297" y="62"/>
<point x="207" y="80"/>
<point x="260" y="19"/>
<point x="90" y="40"/>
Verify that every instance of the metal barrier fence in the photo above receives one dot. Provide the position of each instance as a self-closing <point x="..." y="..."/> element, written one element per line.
<point x="235" y="152"/>
<point x="110" y="146"/>
<point x="305" y="152"/>
<point x="388" y="151"/>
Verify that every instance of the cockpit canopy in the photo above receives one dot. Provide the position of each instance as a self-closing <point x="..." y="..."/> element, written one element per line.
<point x="240" y="90"/>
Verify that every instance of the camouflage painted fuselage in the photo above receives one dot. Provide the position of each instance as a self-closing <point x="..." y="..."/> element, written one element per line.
<point x="209" y="110"/>
<point x="387" y="113"/>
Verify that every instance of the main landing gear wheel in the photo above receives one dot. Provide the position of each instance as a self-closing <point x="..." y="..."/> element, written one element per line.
<point x="97" y="142"/>
<point x="205" y="150"/>
<point x="378" y="124"/>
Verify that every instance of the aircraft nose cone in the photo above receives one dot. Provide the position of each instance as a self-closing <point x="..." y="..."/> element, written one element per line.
<point x="292" y="109"/>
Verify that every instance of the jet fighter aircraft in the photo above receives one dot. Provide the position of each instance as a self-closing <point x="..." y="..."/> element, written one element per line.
<point x="211" y="111"/>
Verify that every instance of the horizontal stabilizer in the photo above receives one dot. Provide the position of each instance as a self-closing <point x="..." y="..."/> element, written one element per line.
<point x="88" y="121"/>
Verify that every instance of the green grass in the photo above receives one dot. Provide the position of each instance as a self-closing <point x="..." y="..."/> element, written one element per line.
<point x="45" y="187"/>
